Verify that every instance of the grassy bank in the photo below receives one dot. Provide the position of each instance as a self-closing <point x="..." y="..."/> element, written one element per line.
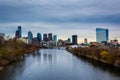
<point x="107" y="55"/>
<point x="13" y="50"/>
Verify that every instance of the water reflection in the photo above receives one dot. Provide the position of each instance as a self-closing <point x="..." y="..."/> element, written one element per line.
<point x="10" y="72"/>
<point x="102" y="66"/>
<point x="46" y="58"/>
<point x="53" y="64"/>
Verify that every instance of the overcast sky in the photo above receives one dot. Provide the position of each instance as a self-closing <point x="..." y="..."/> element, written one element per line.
<point x="61" y="17"/>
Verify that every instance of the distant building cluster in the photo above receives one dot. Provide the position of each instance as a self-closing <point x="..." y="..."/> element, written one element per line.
<point x="49" y="40"/>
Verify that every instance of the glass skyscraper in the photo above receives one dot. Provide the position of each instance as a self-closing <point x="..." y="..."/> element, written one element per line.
<point x="55" y="38"/>
<point x="45" y="37"/>
<point x="50" y="37"/>
<point x="74" y="39"/>
<point x="102" y="35"/>
<point x="39" y="37"/>
<point x="20" y="31"/>
<point x="30" y="37"/>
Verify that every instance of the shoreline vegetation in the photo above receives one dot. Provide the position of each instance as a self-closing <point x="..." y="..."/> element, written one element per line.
<point x="109" y="56"/>
<point x="13" y="50"/>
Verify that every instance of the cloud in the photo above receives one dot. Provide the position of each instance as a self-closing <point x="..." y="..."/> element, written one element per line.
<point x="60" y="11"/>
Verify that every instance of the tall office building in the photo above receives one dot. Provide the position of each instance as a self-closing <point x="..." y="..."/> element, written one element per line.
<point x="50" y="37"/>
<point x="102" y="35"/>
<point x="45" y="37"/>
<point x="39" y="37"/>
<point x="18" y="33"/>
<point x="74" y="39"/>
<point x="30" y="37"/>
<point x="55" y="38"/>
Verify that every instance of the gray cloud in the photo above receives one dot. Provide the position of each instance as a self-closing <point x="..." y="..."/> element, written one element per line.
<point x="60" y="11"/>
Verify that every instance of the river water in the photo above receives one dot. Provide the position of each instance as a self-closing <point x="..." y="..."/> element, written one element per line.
<point x="55" y="64"/>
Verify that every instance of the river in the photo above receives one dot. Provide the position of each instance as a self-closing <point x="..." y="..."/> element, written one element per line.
<point x="55" y="64"/>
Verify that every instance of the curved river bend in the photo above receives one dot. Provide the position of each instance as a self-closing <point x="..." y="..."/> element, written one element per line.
<point x="54" y="64"/>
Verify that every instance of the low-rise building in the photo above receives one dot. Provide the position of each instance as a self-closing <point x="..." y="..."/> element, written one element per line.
<point x="114" y="43"/>
<point x="61" y="43"/>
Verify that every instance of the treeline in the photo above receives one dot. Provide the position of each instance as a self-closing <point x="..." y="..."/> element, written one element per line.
<point x="13" y="50"/>
<point x="106" y="55"/>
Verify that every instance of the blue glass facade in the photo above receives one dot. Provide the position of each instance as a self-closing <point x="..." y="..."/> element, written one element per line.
<point x="102" y="35"/>
<point x="20" y="31"/>
<point x="55" y="38"/>
<point x="39" y="37"/>
<point x="30" y="37"/>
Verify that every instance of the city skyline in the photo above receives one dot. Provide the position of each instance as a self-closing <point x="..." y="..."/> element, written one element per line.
<point x="91" y="38"/>
<point x="63" y="18"/>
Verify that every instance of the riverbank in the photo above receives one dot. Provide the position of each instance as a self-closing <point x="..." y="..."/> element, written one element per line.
<point x="14" y="50"/>
<point x="109" y="56"/>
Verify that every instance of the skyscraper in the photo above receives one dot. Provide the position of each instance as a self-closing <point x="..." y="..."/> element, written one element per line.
<point x="55" y="38"/>
<point x="45" y="37"/>
<point x="74" y="39"/>
<point x="18" y="33"/>
<point x="102" y="35"/>
<point x="50" y="37"/>
<point x="39" y="37"/>
<point x="30" y="37"/>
